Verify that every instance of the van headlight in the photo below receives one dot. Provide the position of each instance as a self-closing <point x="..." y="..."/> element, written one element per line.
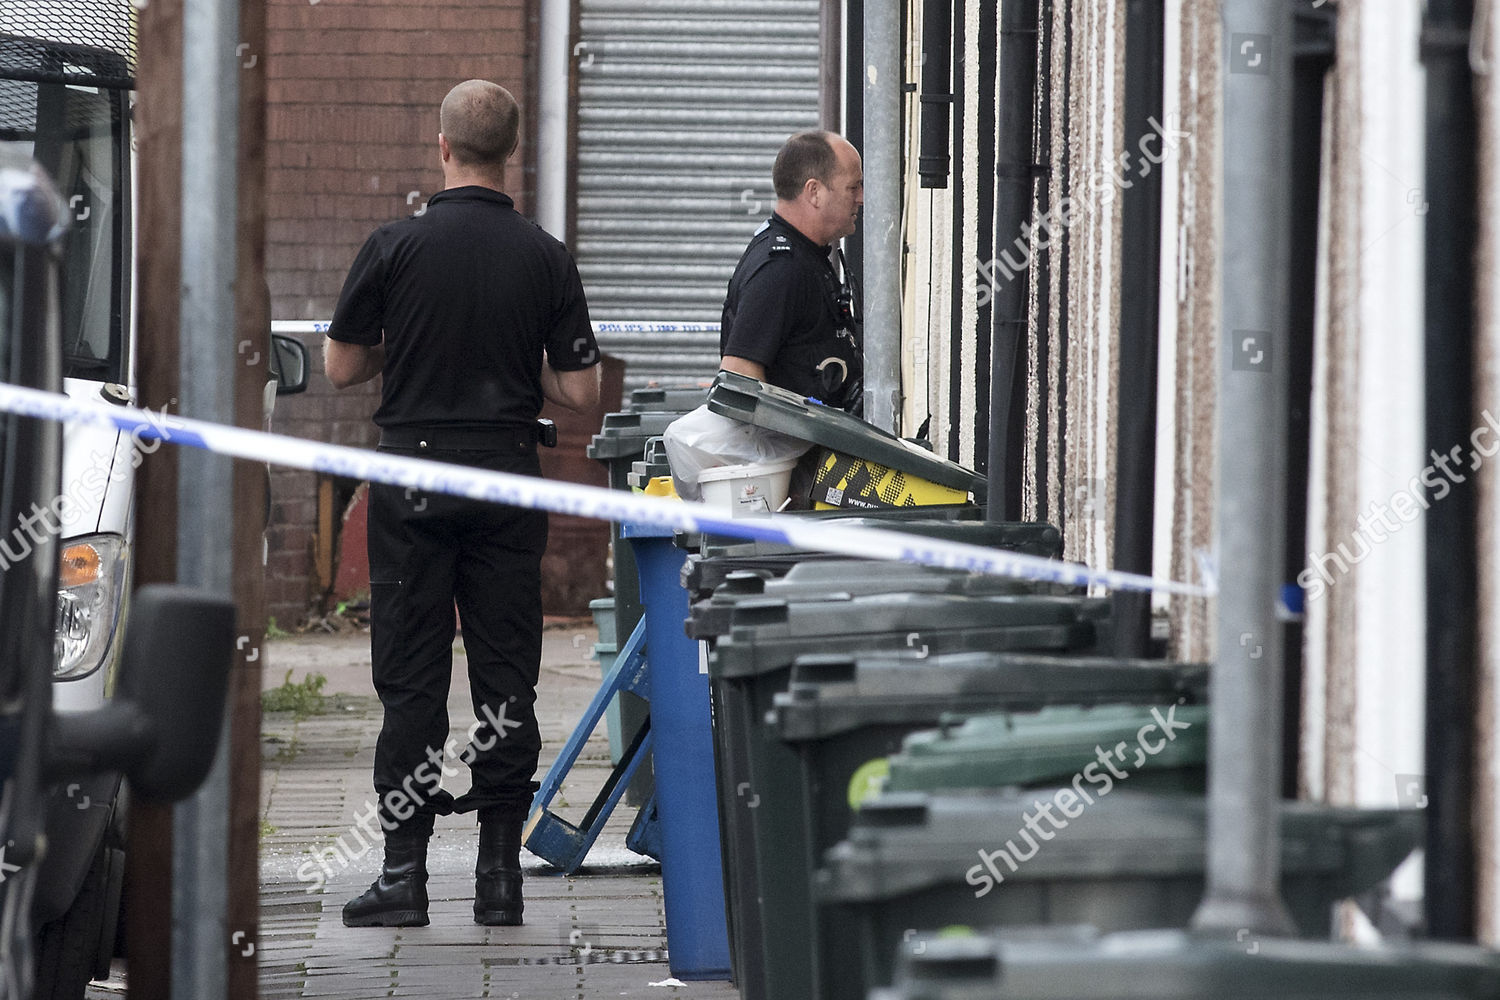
<point x="90" y="582"/>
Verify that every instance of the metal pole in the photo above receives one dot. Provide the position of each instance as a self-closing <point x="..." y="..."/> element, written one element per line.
<point x="552" y="132"/>
<point x="882" y="222"/>
<point x="1014" y="157"/>
<point x="1244" y="839"/>
<point x="210" y="144"/>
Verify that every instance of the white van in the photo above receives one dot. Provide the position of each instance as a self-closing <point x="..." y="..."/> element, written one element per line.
<point x="162" y="724"/>
<point x="66" y="91"/>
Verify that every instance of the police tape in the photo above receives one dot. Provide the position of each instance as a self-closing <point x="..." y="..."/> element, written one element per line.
<point x="652" y="326"/>
<point x="305" y="326"/>
<point x="425" y="475"/>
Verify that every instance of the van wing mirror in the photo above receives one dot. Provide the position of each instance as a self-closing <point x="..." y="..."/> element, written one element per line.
<point x="175" y="673"/>
<point x="289" y="364"/>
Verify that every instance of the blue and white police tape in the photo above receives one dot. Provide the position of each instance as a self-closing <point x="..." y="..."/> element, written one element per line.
<point x="652" y="326"/>
<point x="308" y="326"/>
<point x="566" y="498"/>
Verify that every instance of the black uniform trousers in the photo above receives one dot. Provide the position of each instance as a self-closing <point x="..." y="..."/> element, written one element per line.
<point x="428" y="550"/>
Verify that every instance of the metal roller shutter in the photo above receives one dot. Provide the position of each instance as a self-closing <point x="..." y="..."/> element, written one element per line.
<point x="682" y="106"/>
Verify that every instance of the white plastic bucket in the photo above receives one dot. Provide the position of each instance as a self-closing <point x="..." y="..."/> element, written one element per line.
<point x="747" y="489"/>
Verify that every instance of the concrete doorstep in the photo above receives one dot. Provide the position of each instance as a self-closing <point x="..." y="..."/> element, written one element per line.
<point x="598" y="933"/>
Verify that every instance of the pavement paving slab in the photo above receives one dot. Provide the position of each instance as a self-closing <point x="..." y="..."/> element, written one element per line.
<point x="598" y="933"/>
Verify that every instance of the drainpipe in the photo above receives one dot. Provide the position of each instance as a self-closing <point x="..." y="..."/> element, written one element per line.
<point x="1244" y="768"/>
<point x="1452" y="572"/>
<point x="1317" y="36"/>
<point x="552" y="127"/>
<point x="936" y="97"/>
<point x="831" y="65"/>
<point x="1140" y="281"/>
<point x="882" y="213"/>
<point x="210" y="149"/>
<point x="1014" y="166"/>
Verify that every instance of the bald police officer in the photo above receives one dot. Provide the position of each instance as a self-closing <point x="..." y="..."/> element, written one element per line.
<point x="789" y="318"/>
<point x="473" y="315"/>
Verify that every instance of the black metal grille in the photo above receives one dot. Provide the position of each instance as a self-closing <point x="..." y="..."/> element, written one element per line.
<point x="85" y="42"/>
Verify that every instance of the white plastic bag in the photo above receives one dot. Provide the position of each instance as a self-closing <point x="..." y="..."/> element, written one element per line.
<point x="703" y="439"/>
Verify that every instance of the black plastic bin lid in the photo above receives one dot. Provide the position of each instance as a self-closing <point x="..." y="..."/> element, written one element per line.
<point x="711" y="617"/>
<point x="755" y="402"/>
<point x="766" y="618"/>
<point x="831" y="694"/>
<point x="625" y="434"/>
<point x="678" y="398"/>
<point x="653" y="464"/>
<point x="767" y="633"/>
<point x="720" y="556"/>
<point x="843" y="579"/>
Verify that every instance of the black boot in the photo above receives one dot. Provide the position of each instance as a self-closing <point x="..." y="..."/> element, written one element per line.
<point x="497" y="875"/>
<point x="398" y="898"/>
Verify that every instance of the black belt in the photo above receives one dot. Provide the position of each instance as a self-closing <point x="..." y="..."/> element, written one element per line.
<point x="512" y="439"/>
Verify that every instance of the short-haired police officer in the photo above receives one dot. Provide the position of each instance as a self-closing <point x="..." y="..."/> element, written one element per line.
<point x="473" y="315"/>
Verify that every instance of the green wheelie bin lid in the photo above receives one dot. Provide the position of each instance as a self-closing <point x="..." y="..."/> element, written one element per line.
<point x="1106" y="856"/>
<point x="752" y="401"/>
<point x="833" y="694"/>
<point x="1079" y="963"/>
<point x="1027" y="748"/>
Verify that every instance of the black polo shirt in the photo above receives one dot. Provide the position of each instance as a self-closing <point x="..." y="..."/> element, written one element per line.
<point x="783" y="312"/>
<point x="465" y="296"/>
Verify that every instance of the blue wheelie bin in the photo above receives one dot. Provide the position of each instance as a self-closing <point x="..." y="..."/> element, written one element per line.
<point x="691" y="875"/>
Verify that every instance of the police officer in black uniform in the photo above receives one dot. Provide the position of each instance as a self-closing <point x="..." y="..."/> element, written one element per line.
<point x="473" y="315"/>
<point x="789" y="316"/>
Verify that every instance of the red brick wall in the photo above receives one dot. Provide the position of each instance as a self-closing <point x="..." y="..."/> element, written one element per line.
<point x="352" y="120"/>
<point x="353" y="91"/>
<point x="325" y="414"/>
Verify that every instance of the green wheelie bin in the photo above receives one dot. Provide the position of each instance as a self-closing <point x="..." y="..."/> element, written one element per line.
<point x="1083" y="851"/>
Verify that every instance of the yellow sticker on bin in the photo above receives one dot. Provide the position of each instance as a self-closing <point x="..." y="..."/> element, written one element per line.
<point x="845" y="481"/>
